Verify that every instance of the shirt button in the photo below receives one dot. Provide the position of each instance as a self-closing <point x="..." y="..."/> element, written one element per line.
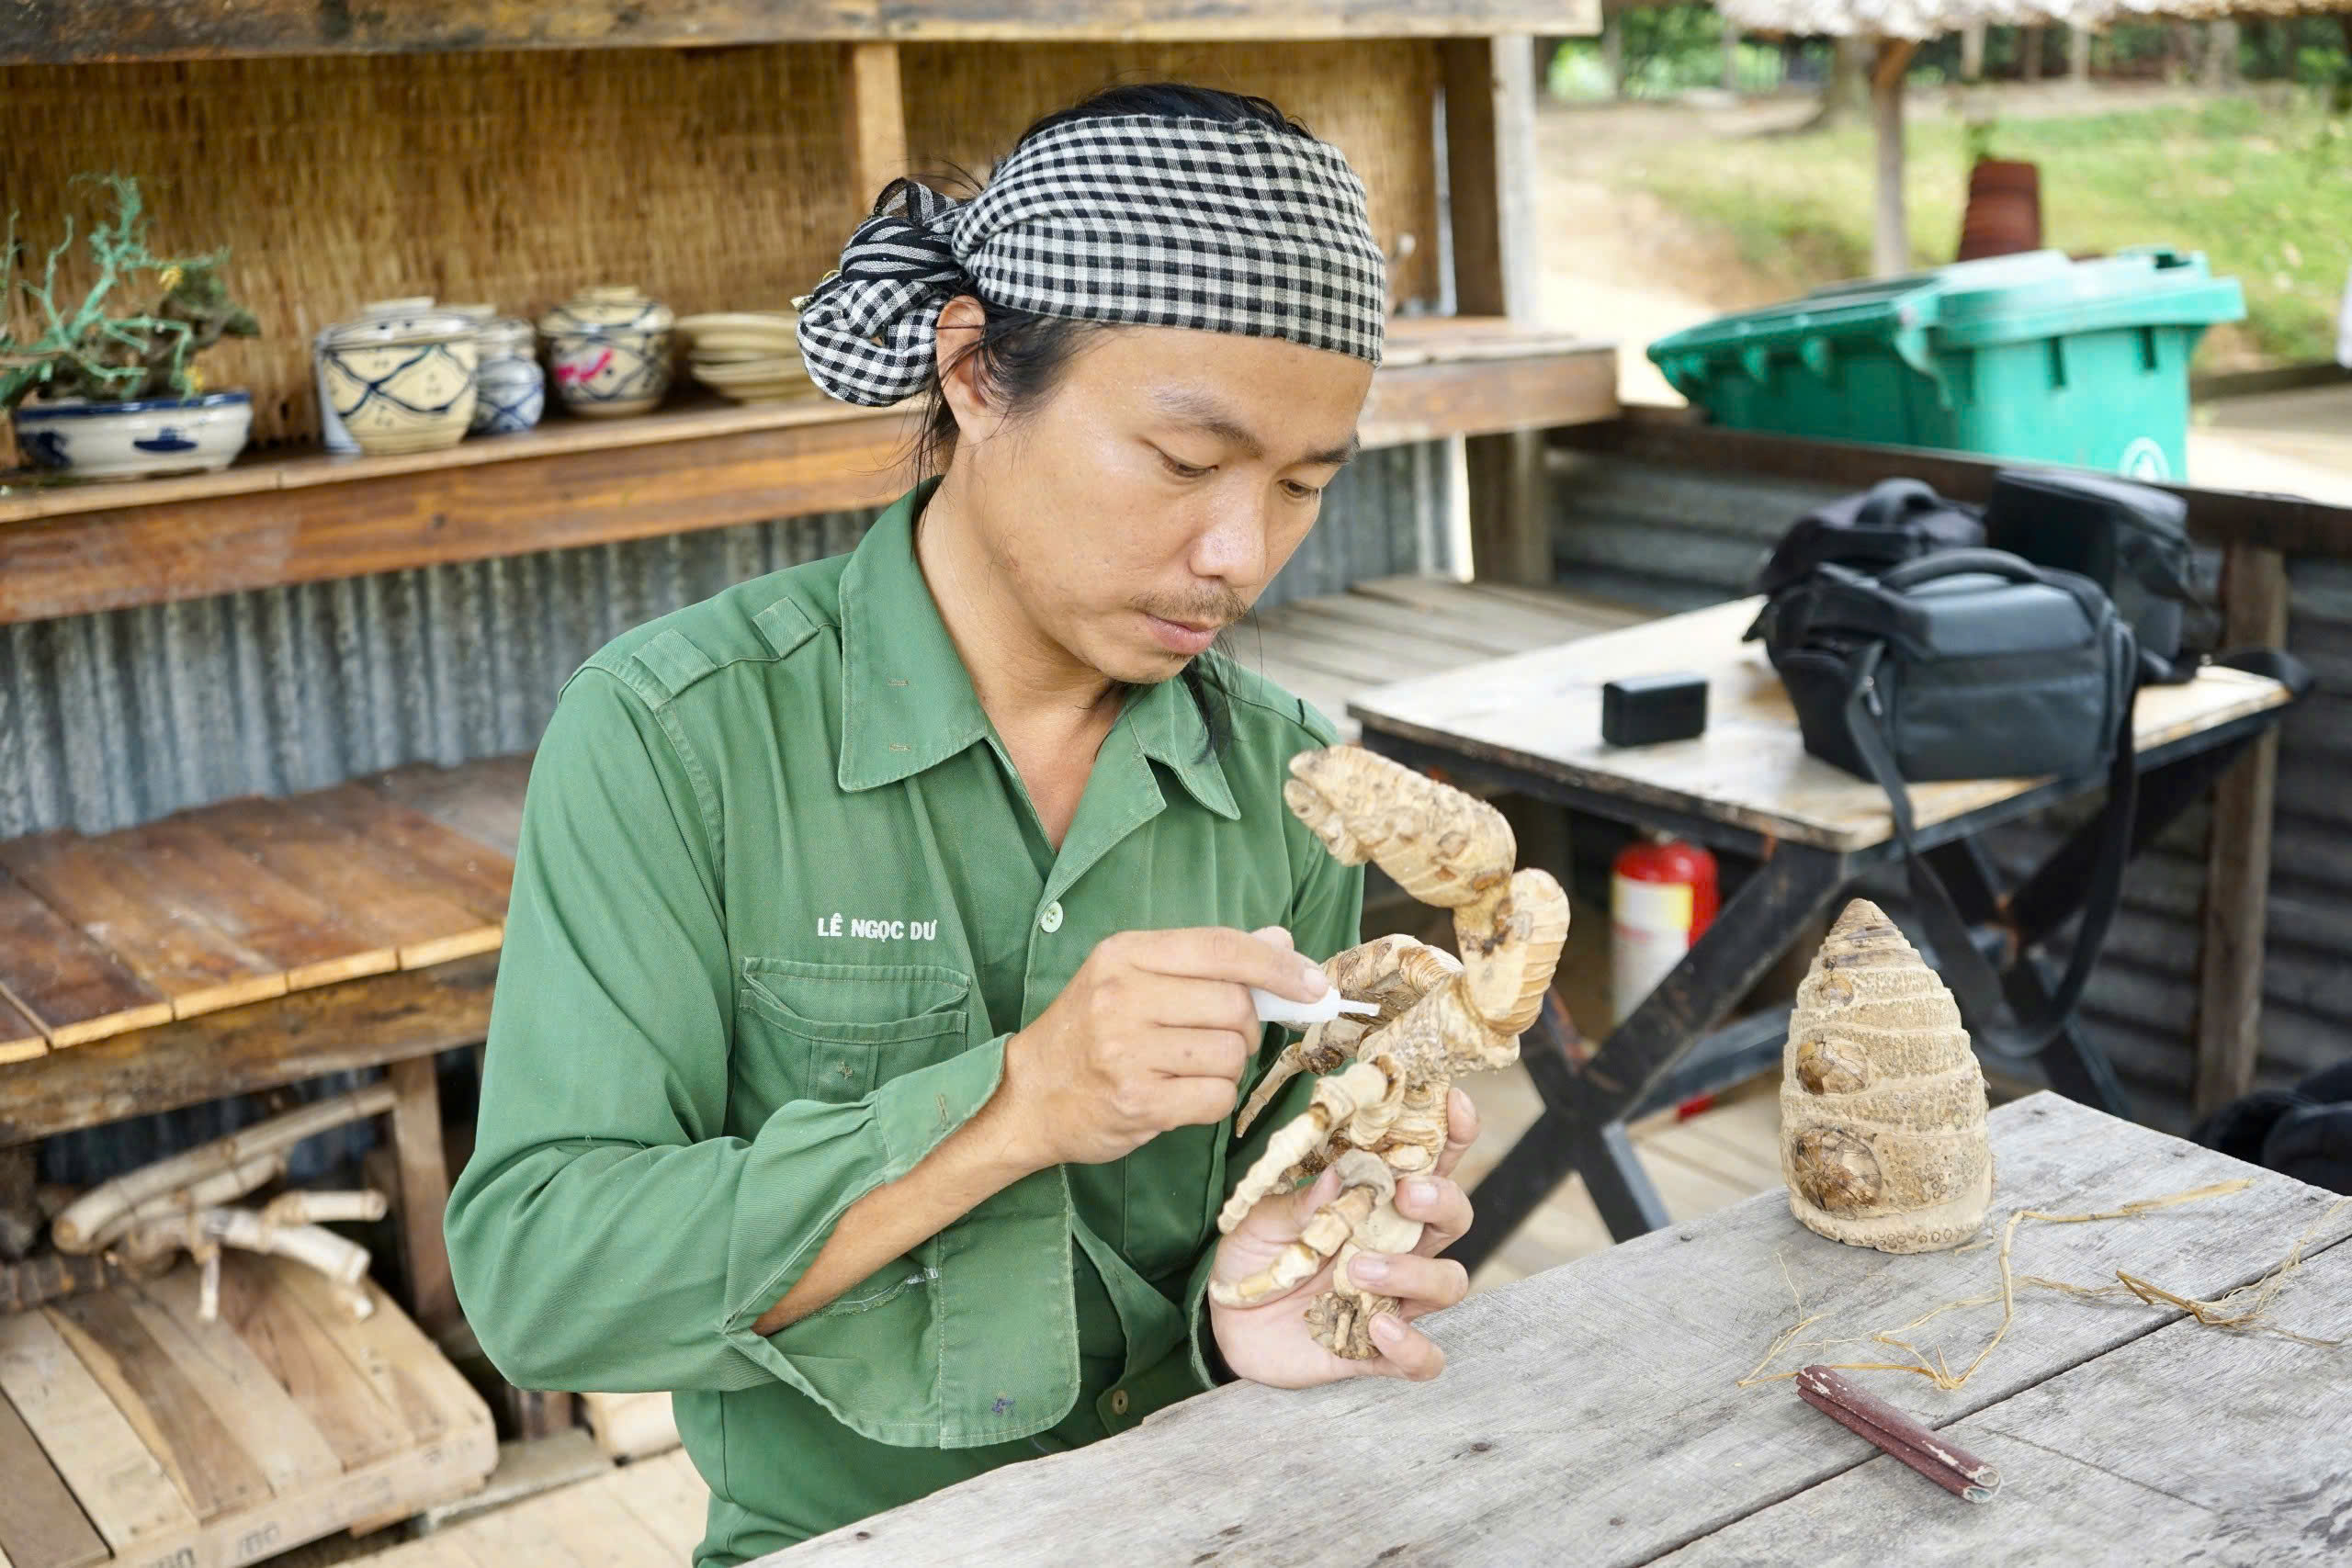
<point x="1051" y="921"/>
<point x="1118" y="1402"/>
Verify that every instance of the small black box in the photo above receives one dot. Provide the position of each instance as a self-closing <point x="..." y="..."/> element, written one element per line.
<point x="1640" y="710"/>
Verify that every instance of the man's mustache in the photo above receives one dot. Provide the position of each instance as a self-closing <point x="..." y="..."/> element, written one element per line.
<point x="1208" y="610"/>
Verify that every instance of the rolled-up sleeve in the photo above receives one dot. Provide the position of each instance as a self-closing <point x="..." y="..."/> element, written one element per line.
<point x="609" y="1232"/>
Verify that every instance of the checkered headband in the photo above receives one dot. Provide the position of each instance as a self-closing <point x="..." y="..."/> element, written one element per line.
<point x="1133" y="220"/>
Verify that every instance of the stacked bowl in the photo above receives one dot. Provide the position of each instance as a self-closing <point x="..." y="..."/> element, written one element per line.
<point x="752" y="356"/>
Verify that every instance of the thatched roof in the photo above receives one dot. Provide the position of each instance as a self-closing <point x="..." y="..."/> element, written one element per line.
<point x="1933" y="18"/>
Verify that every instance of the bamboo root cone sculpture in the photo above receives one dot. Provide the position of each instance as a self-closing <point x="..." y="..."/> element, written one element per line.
<point x="1381" y="1113"/>
<point x="1882" y="1137"/>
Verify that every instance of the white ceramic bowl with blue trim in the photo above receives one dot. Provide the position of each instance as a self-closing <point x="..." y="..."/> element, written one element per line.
<point x="403" y="379"/>
<point x="139" y="439"/>
<point x="609" y="348"/>
<point x="513" y="389"/>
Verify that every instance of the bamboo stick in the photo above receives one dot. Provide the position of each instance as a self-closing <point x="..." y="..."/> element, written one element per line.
<point x="82" y="1225"/>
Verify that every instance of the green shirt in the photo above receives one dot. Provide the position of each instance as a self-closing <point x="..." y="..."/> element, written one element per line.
<point x="779" y="899"/>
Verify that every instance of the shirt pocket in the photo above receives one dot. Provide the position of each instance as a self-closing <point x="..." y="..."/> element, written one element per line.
<point x="836" y="1031"/>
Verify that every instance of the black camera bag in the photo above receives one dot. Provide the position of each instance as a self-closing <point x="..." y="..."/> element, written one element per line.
<point x="1969" y="663"/>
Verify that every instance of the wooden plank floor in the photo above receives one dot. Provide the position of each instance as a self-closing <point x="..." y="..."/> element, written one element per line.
<point x="646" y="1514"/>
<point x="133" y="1430"/>
<point x="1330" y="648"/>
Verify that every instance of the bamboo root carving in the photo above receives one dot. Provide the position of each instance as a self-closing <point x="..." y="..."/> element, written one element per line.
<point x="1381" y="1110"/>
<point x="1882" y="1137"/>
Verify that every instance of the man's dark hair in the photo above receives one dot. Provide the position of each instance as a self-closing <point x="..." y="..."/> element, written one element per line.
<point x="1021" y="356"/>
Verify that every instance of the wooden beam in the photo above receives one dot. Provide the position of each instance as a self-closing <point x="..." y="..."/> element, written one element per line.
<point x="424" y="1193"/>
<point x="1491" y="154"/>
<point x="2237" y="854"/>
<point x="312" y="519"/>
<point x="1890" y="235"/>
<point x="336" y="1029"/>
<point x="64" y="31"/>
<point x="1676" y="436"/>
<point x="874" y="111"/>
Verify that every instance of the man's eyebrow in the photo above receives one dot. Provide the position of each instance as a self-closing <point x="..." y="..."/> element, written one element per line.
<point x="1204" y="411"/>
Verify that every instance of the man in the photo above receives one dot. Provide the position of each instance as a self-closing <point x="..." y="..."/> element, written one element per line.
<point x="875" y="1000"/>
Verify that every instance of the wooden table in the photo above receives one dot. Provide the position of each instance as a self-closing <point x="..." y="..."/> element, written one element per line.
<point x="1531" y="723"/>
<point x="1591" y="1414"/>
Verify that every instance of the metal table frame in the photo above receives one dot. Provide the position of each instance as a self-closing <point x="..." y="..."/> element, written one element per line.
<point x="1664" y="1052"/>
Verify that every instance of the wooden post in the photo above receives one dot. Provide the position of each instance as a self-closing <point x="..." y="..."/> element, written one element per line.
<point x="2029" y="54"/>
<point x="1613" y="49"/>
<point x="2237" y="854"/>
<point x="1731" y="57"/>
<point x="1891" y="238"/>
<point x="2221" y="62"/>
<point x="875" y="120"/>
<point x="423" y="1192"/>
<point x="1972" y="51"/>
<point x="1489" y="160"/>
<point x="2078" y="55"/>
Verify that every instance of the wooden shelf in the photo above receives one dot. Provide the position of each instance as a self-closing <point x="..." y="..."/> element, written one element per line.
<point x="94" y="31"/>
<point x="73" y="549"/>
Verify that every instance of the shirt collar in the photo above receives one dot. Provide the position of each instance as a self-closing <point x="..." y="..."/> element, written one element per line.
<point x="908" y="702"/>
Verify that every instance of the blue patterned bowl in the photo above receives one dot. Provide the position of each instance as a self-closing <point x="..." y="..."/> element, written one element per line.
<point x="513" y="394"/>
<point x="403" y="380"/>
<point x="610" y="351"/>
<point x="135" y="440"/>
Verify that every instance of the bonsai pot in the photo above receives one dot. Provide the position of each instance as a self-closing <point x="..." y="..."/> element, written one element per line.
<point x="137" y="439"/>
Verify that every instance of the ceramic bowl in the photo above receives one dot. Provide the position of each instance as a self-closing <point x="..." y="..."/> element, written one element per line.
<point x="401" y="376"/>
<point x="512" y="397"/>
<point x="609" y="348"/>
<point x="139" y="439"/>
<point x="754" y="332"/>
<point x="513" y="389"/>
<point x="752" y="377"/>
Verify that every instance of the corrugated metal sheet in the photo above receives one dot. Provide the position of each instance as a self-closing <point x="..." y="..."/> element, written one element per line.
<point x="112" y="720"/>
<point x="1674" y="540"/>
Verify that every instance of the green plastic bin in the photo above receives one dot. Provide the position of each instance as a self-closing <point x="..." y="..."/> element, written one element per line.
<point x="2030" y="357"/>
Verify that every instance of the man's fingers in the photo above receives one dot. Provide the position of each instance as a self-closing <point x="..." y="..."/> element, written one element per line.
<point x="1461" y="1130"/>
<point x="1440" y="1205"/>
<point x="1405" y="1352"/>
<point x="1421" y="1284"/>
<point x="1317" y="1193"/>
<point x="1201" y="1054"/>
<point x="1276" y="936"/>
<point x="1221" y="952"/>
<point x="1199" y="1103"/>
<point x="1168" y="1001"/>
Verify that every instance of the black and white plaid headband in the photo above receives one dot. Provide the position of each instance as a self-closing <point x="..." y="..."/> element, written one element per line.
<point x="1133" y="220"/>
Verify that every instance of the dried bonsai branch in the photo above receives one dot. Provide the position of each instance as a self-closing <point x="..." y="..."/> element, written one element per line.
<point x="87" y="353"/>
<point x="1385" y="1112"/>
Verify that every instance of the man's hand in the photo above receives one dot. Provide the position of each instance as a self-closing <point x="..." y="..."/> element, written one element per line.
<point x="1270" y="1343"/>
<point x="1153" y="1032"/>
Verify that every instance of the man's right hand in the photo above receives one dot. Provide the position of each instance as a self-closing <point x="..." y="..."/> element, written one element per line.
<point x="1152" y="1033"/>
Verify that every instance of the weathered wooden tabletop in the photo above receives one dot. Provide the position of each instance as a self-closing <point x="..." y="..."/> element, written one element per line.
<point x="1591" y="1414"/>
<point x="1540" y="712"/>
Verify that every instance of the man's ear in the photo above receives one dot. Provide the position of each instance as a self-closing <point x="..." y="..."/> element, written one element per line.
<point x="961" y="321"/>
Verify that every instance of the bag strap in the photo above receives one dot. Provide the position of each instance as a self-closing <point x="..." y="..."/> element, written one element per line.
<point x="1972" y="980"/>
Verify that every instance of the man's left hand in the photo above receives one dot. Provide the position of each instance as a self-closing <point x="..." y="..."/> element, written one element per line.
<point x="1270" y="1343"/>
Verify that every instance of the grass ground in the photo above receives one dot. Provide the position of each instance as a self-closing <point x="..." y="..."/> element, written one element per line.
<point x="2263" y="187"/>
